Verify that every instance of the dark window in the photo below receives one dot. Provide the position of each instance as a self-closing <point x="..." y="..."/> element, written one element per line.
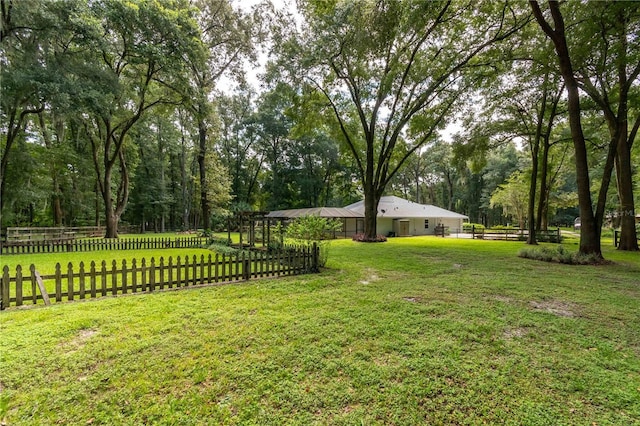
<point x="426" y="224"/>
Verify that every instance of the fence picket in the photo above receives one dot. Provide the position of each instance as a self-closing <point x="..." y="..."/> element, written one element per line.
<point x="81" y="281"/>
<point x="224" y="268"/>
<point x="114" y="277"/>
<point x="92" y="275"/>
<point x="178" y="272"/>
<point x="69" y="281"/>
<point x="194" y="268"/>
<point x="34" y="295"/>
<point x="59" y="283"/>
<point x="161" y="270"/>
<point x="143" y="275"/>
<point x="186" y="271"/>
<point x="124" y="276"/>
<point x="152" y="275"/>
<point x="201" y="269"/>
<point x="134" y="276"/>
<point x="217" y="267"/>
<point x="103" y="276"/>
<point x="19" y="285"/>
<point x="5" y="288"/>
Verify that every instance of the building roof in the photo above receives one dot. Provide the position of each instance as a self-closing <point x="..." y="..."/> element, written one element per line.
<point x="328" y="212"/>
<point x="398" y="208"/>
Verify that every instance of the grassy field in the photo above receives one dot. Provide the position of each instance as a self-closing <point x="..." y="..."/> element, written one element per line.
<point x="418" y="330"/>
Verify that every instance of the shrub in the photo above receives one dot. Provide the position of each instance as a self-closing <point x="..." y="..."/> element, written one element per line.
<point x="467" y="227"/>
<point x="558" y="254"/>
<point x="504" y="227"/>
<point x="362" y="238"/>
<point x="309" y="230"/>
<point x="219" y="241"/>
<point x="223" y="249"/>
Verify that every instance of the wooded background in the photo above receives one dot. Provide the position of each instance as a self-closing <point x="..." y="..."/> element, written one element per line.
<point x="141" y="111"/>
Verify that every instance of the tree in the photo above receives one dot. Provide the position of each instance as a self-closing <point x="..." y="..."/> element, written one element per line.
<point x="272" y="125"/>
<point x="391" y="73"/>
<point x="217" y="185"/>
<point x="237" y="144"/>
<point x="580" y="65"/>
<point x="608" y="73"/>
<point x="133" y="66"/>
<point x="227" y="35"/>
<point x="512" y="196"/>
<point x="21" y="67"/>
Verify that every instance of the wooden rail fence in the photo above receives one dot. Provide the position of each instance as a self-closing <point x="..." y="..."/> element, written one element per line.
<point x="616" y="238"/>
<point x="552" y="235"/>
<point x="93" y="280"/>
<point x="73" y="245"/>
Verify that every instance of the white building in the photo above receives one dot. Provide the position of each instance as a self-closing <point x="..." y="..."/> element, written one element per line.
<point x="400" y="217"/>
<point x="396" y="216"/>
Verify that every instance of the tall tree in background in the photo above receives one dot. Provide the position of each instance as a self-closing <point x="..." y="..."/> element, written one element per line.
<point x="608" y="73"/>
<point x="391" y="72"/>
<point x="272" y="125"/>
<point x="141" y="55"/>
<point x="603" y="68"/>
<point x="24" y="25"/>
<point x="589" y="229"/>
<point x="227" y="35"/>
<point x="238" y="144"/>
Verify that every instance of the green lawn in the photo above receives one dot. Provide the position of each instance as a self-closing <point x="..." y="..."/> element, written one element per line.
<point x="413" y="331"/>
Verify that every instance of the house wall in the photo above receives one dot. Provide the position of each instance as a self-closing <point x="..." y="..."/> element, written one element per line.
<point x="384" y="225"/>
<point x="417" y="225"/>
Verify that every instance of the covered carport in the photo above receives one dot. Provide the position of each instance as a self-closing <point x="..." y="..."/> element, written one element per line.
<point x="352" y="221"/>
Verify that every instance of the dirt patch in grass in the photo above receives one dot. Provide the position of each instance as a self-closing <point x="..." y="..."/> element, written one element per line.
<point x="555" y="307"/>
<point x="515" y="333"/>
<point x="504" y="299"/>
<point x="79" y="340"/>
<point x="372" y="276"/>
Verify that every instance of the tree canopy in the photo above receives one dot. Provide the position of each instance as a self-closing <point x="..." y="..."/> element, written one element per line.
<point x="143" y="111"/>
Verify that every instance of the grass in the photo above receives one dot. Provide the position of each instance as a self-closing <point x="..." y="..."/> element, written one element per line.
<point x="413" y="331"/>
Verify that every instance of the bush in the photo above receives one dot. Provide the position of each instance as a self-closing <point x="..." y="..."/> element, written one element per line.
<point x="504" y="227"/>
<point x="559" y="254"/>
<point x="309" y="230"/>
<point x="467" y="227"/>
<point x="362" y="238"/>
<point x="223" y="249"/>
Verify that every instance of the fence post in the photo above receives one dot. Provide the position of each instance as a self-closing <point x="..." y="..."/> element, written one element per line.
<point x="58" y="283"/>
<point x="246" y="267"/>
<point x="316" y="256"/>
<point x="152" y="274"/>
<point x="4" y="289"/>
<point x="615" y="238"/>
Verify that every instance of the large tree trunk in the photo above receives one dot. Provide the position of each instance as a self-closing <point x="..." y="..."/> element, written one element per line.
<point x="111" y="224"/>
<point x="449" y="190"/>
<point x="204" y="199"/>
<point x="111" y="220"/>
<point x="543" y="201"/>
<point x="371" y="201"/>
<point x="628" y="237"/>
<point x="531" y="224"/>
